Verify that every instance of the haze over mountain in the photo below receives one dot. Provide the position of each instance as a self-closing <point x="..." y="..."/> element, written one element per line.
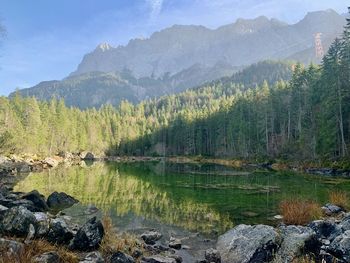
<point x="182" y="57"/>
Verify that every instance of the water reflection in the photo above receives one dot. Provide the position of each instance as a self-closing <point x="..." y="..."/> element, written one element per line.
<point x="196" y="198"/>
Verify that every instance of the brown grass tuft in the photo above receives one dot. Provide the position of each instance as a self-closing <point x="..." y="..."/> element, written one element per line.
<point x="339" y="198"/>
<point x="112" y="242"/>
<point x="304" y="259"/>
<point x="36" y="248"/>
<point x="300" y="212"/>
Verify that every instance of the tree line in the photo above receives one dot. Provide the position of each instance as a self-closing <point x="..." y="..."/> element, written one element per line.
<point x="307" y="117"/>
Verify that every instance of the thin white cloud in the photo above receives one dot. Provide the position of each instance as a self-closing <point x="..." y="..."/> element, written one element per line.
<point x="156" y="7"/>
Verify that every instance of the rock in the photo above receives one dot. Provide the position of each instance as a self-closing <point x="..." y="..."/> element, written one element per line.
<point x="158" y="259"/>
<point x="177" y="258"/>
<point x="278" y="217"/>
<point x="325" y="229"/>
<point x="175" y="243"/>
<point x="246" y="243"/>
<point x="89" y="236"/>
<point x="294" y="240"/>
<point x="91" y="209"/>
<point x="11" y="247"/>
<point x="150" y="237"/>
<point x="330" y="209"/>
<point x="93" y="257"/>
<point x="340" y="247"/>
<point x="87" y="155"/>
<point x="37" y="199"/>
<point x="212" y="255"/>
<point x="51" y="162"/>
<point x="120" y="257"/>
<point x="16" y="221"/>
<point x="31" y="234"/>
<point x="3" y="208"/>
<point x="59" y="232"/>
<point x="60" y="200"/>
<point x="43" y="225"/>
<point x="48" y="257"/>
<point x="137" y="253"/>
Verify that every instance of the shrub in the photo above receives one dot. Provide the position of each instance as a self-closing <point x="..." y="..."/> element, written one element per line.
<point x="339" y="198"/>
<point x="299" y="212"/>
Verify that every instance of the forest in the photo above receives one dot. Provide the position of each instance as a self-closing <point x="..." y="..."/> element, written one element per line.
<point x="302" y="116"/>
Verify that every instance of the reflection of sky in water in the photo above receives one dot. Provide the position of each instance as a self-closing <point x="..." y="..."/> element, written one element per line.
<point x="198" y="198"/>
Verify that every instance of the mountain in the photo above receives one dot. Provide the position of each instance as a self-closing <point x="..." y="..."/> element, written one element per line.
<point x="182" y="57"/>
<point x="244" y="42"/>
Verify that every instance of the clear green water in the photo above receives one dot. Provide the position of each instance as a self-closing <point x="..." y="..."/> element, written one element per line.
<point x="208" y="199"/>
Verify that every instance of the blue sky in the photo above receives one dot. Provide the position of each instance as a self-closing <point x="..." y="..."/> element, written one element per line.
<point x="46" y="39"/>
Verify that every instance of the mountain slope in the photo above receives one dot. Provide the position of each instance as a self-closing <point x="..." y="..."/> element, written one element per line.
<point x="242" y="43"/>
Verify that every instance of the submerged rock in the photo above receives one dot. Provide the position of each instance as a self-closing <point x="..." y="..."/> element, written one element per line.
<point x="150" y="237"/>
<point x="89" y="236"/>
<point x="48" y="257"/>
<point x="60" y="200"/>
<point x="16" y="221"/>
<point x="120" y="257"/>
<point x="245" y="243"/>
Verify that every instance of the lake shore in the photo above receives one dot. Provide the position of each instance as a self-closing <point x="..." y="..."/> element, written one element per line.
<point x="323" y="239"/>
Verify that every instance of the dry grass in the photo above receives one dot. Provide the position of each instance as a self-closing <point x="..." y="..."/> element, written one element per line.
<point x="304" y="259"/>
<point x="339" y="198"/>
<point x="38" y="247"/>
<point x="300" y="212"/>
<point x="112" y="242"/>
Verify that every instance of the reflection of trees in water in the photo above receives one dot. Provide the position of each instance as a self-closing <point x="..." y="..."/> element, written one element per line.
<point x="125" y="190"/>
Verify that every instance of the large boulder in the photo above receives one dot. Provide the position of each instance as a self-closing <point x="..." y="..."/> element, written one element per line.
<point x="120" y="257"/>
<point x="340" y="247"/>
<point x="16" y="221"/>
<point x="294" y="242"/>
<point x="59" y="232"/>
<point x="89" y="236"/>
<point x="37" y="199"/>
<point x="150" y="237"/>
<point x="246" y="243"/>
<point x="326" y="229"/>
<point x="61" y="200"/>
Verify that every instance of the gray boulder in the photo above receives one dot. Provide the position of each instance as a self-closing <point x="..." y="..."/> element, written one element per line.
<point x="11" y="247"/>
<point x="246" y="243"/>
<point x="340" y="247"/>
<point x="330" y="209"/>
<point x="16" y="221"/>
<point x="120" y="257"/>
<point x="37" y="200"/>
<point x="158" y="259"/>
<point x="89" y="236"/>
<point x="326" y="229"/>
<point x="93" y="257"/>
<point x="294" y="240"/>
<point x="59" y="232"/>
<point x="43" y="225"/>
<point x="175" y="243"/>
<point x="61" y="200"/>
<point x="48" y="257"/>
<point x="150" y="237"/>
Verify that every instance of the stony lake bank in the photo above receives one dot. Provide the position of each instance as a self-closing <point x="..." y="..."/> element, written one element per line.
<point x="29" y="220"/>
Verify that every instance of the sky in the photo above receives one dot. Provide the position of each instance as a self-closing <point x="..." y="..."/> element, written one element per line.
<point x="47" y="39"/>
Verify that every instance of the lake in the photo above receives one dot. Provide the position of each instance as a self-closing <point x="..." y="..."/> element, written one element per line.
<point x="204" y="199"/>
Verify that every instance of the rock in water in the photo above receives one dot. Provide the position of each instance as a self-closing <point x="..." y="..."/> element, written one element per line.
<point x="59" y="232"/>
<point x="245" y="243"/>
<point x="120" y="257"/>
<point x="37" y="200"/>
<point x="294" y="241"/>
<point x="89" y="236"/>
<point x="16" y="221"/>
<point x="48" y="257"/>
<point x="60" y="200"/>
<point x="150" y="237"/>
